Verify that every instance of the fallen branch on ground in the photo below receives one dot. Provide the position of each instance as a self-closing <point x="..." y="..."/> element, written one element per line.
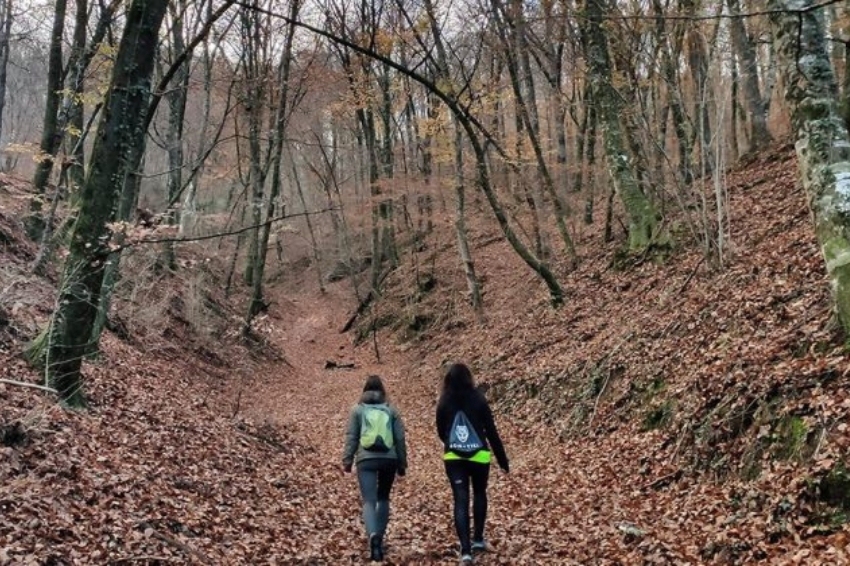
<point x="32" y="385"/>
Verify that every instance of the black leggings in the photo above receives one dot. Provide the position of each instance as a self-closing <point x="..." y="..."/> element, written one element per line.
<point x="460" y="472"/>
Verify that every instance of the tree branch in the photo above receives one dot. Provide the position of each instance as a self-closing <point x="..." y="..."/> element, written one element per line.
<point x="222" y="234"/>
<point x="32" y="385"/>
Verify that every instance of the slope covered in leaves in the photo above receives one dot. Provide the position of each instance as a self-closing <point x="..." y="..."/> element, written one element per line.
<point x="667" y="414"/>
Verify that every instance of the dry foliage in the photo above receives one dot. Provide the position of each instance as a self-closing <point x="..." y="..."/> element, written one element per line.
<point x="667" y="414"/>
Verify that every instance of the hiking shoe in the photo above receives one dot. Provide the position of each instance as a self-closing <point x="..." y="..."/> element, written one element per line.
<point x="376" y="551"/>
<point x="466" y="559"/>
<point x="481" y="546"/>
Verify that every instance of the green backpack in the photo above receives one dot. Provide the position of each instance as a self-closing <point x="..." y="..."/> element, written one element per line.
<point x="376" y="428"/>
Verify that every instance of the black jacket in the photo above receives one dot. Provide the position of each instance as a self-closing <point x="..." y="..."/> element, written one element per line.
<point x="478" y="410"/>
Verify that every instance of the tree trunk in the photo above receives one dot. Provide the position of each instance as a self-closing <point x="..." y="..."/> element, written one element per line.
<point x="640" y="211"/>
<point x="516" y="55"/>
<point x="698" y="64"/>
<point x="733" y="140"/>
<point x="119" y="134"/>
<point x="748" y="71"/>
<point x="386" y="208"/>
<point x="50" y="134"/>
<point x="73" y="173"/>
<point x="176" y="98"/>
<point x="674" y="94"/>
<point x="5" y="32"/>
<point x="556" y="292"/>
<point x="823" y="144"/>
<point x="591" y="165"/>
<point x="255" y="99"/>
<point x="460" y="225"/>
<point x="257" y="303"/>
<point x="314" y="244"/>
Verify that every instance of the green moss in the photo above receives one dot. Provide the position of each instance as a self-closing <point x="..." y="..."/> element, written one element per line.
<point x="790" y="437"/>
<point x="658" y="416"/>
<point x="36" y="351"/>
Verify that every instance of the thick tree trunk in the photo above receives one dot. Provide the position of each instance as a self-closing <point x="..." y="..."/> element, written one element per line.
<point x="641" y="213"/>
<point x="119" y="134"/>
<point x="823" y="144"/>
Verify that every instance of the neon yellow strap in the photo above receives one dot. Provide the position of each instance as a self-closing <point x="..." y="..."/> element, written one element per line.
<point x="481" y="457"/>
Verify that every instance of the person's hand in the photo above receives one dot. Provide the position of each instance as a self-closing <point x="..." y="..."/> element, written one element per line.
<point x="401" y="472"/>
<point x="346" y="468"/>
<point x="505" y="467"/>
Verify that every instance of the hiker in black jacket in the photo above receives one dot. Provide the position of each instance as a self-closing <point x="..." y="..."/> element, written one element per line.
<point x="465" y="425"/>
<point x="374" y="442"/>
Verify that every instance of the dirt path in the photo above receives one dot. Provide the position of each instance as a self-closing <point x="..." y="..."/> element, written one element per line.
<point x="531" y="519"/>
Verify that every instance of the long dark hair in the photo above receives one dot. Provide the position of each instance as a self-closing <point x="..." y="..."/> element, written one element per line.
<point x="374" y="383"/>
<point x="458" y="383"/>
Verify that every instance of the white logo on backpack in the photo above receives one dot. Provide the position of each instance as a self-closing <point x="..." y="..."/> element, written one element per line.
<point x="462" y="433"/>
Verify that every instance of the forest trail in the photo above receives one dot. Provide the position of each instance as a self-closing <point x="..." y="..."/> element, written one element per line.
<point x="532" y="518"/>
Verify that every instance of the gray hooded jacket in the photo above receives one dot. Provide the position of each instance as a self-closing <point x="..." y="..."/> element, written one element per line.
<point x="354" y="454"/>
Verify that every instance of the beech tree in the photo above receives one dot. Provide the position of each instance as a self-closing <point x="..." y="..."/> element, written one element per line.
<point x="641" y="213"/>
<point x="118" y="136"/>
<point x="823" y="144"/>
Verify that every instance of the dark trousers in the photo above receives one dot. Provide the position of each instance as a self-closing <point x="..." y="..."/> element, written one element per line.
<point x="460" y="474"/>
<point x="376" y="476"/>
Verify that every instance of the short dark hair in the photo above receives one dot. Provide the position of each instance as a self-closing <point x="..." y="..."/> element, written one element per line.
<point x="374" y="383"/>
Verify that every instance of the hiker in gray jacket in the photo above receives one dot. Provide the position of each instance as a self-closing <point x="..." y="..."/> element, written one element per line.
<point x="374" y="442"/>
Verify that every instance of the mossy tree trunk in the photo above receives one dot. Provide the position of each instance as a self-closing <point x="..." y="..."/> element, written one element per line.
<point x="823" y="145"/>
<point x="641" y="213"/>
<point x="119" y="134"/>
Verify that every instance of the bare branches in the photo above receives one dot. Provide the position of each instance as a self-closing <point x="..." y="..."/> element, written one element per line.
<point x="223" y="234"/>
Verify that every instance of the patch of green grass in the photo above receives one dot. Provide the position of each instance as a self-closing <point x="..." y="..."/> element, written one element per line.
<point x="790" y="437"/>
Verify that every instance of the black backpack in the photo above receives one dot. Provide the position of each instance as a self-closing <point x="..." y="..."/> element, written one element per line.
<point x="463" y="438"/>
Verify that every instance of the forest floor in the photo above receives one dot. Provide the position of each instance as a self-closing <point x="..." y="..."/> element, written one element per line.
<point x="667" y="414"/>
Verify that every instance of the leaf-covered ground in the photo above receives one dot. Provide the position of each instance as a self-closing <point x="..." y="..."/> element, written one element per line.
<point x="667" y="414"/>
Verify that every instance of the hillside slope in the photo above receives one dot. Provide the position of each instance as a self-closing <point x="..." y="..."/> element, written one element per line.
<point x="666" y="414"/>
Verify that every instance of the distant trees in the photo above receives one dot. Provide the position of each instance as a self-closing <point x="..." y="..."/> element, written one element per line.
<point x="395" y="118"/>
